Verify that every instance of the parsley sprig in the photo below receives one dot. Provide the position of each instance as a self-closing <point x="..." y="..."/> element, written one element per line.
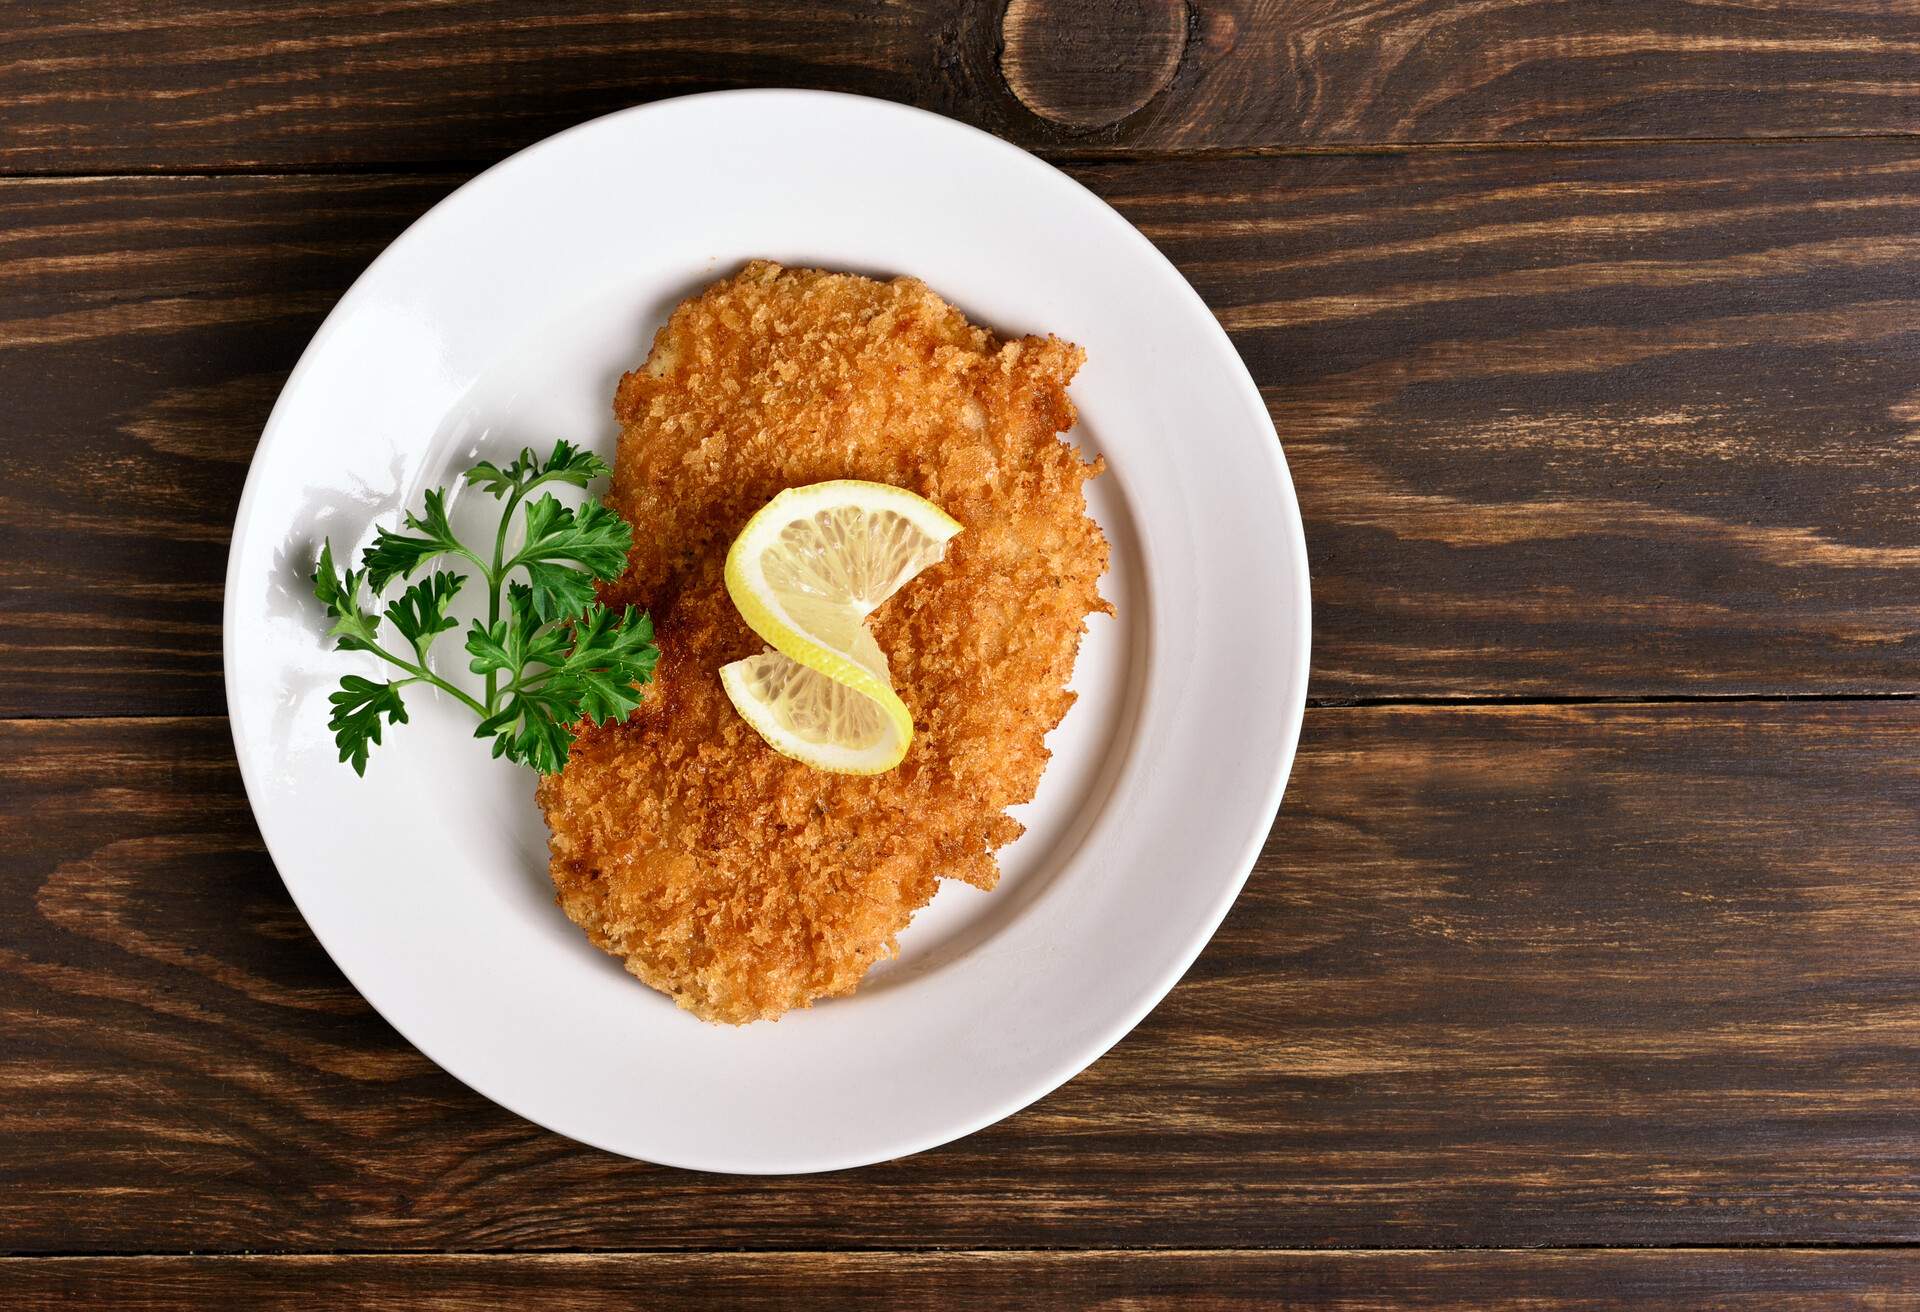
<point x="551" y="654"/>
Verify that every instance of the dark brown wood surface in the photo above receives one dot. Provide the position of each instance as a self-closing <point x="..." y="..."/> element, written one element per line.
<point x="1582" y="968"/>
<point x="1520" y="975"/>
<point x="102" y="86"/>
<point x="1780" y="1280"/>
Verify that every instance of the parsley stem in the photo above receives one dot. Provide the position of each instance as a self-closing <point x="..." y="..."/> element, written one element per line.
<point x="477" y="562"/>
<point x="495" y="578"/>
<point x="497" y="575"/>
<point x="425" y="675"/>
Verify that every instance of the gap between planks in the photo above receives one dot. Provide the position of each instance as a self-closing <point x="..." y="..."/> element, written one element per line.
<point x="1053" y="155"/>
<point x="893" y="1250"/>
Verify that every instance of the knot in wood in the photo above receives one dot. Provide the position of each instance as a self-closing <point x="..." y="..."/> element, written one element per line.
<point x="1090" y="63"/>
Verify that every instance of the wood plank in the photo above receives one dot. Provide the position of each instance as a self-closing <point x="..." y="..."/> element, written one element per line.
<point x="1621" y="975"/>
<point x="145" y="330"/>
<point x="1776" y="1280"/>
<point x="1604" y="422"/>
<point x="1585" y="422"/>
<point x="94" y="86"/>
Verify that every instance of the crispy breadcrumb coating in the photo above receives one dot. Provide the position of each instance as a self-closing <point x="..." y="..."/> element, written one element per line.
<point x="738" y="881"/>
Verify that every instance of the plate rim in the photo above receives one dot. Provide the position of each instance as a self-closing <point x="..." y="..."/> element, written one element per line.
<point x="1059" y="1071"/>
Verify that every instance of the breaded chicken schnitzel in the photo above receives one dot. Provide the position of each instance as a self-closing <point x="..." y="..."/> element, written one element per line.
<point x="736" y="880"/>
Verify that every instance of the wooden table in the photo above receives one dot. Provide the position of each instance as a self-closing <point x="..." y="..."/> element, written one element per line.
<point x="1583" y="965"/>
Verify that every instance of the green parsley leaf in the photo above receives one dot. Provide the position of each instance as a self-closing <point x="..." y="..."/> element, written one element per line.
<point x="531" y="729"/>
<point x="610" y="656"/>
<point x="355" y="721"/>
<point x="593" y="539"/>
<point x="572" y="465"/>
<point x="352" y="629"/>
<point x="421" y="611"/>
<point x="489" y="477"/>
<point x="397" y="555"/>
<point x="568" y="464"/>
<point x="558" y="589"/>
<point x="519" y="640"/>
<point x="594" y="667"/>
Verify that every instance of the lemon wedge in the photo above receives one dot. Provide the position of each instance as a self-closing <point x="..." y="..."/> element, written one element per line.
<point x="805" y="573"/>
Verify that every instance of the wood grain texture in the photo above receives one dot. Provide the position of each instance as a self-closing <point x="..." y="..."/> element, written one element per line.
<point x="1586" y="422"/>
<point x="145" y="330"/>
<point x="94" y="86"/>
<point x="1630" y="975"/>
<point x="1601" y="422"/>
<point x="1774" y="1280"/>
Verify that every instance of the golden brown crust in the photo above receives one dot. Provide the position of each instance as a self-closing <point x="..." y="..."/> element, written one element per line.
<point x="738" y="881"/>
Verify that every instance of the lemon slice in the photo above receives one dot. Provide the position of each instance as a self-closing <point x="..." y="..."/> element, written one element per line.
<point x="804" y="714"/>
<point x="805" y="573"/>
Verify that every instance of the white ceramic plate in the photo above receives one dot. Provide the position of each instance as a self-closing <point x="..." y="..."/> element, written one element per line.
<point x="504" y="317"/>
